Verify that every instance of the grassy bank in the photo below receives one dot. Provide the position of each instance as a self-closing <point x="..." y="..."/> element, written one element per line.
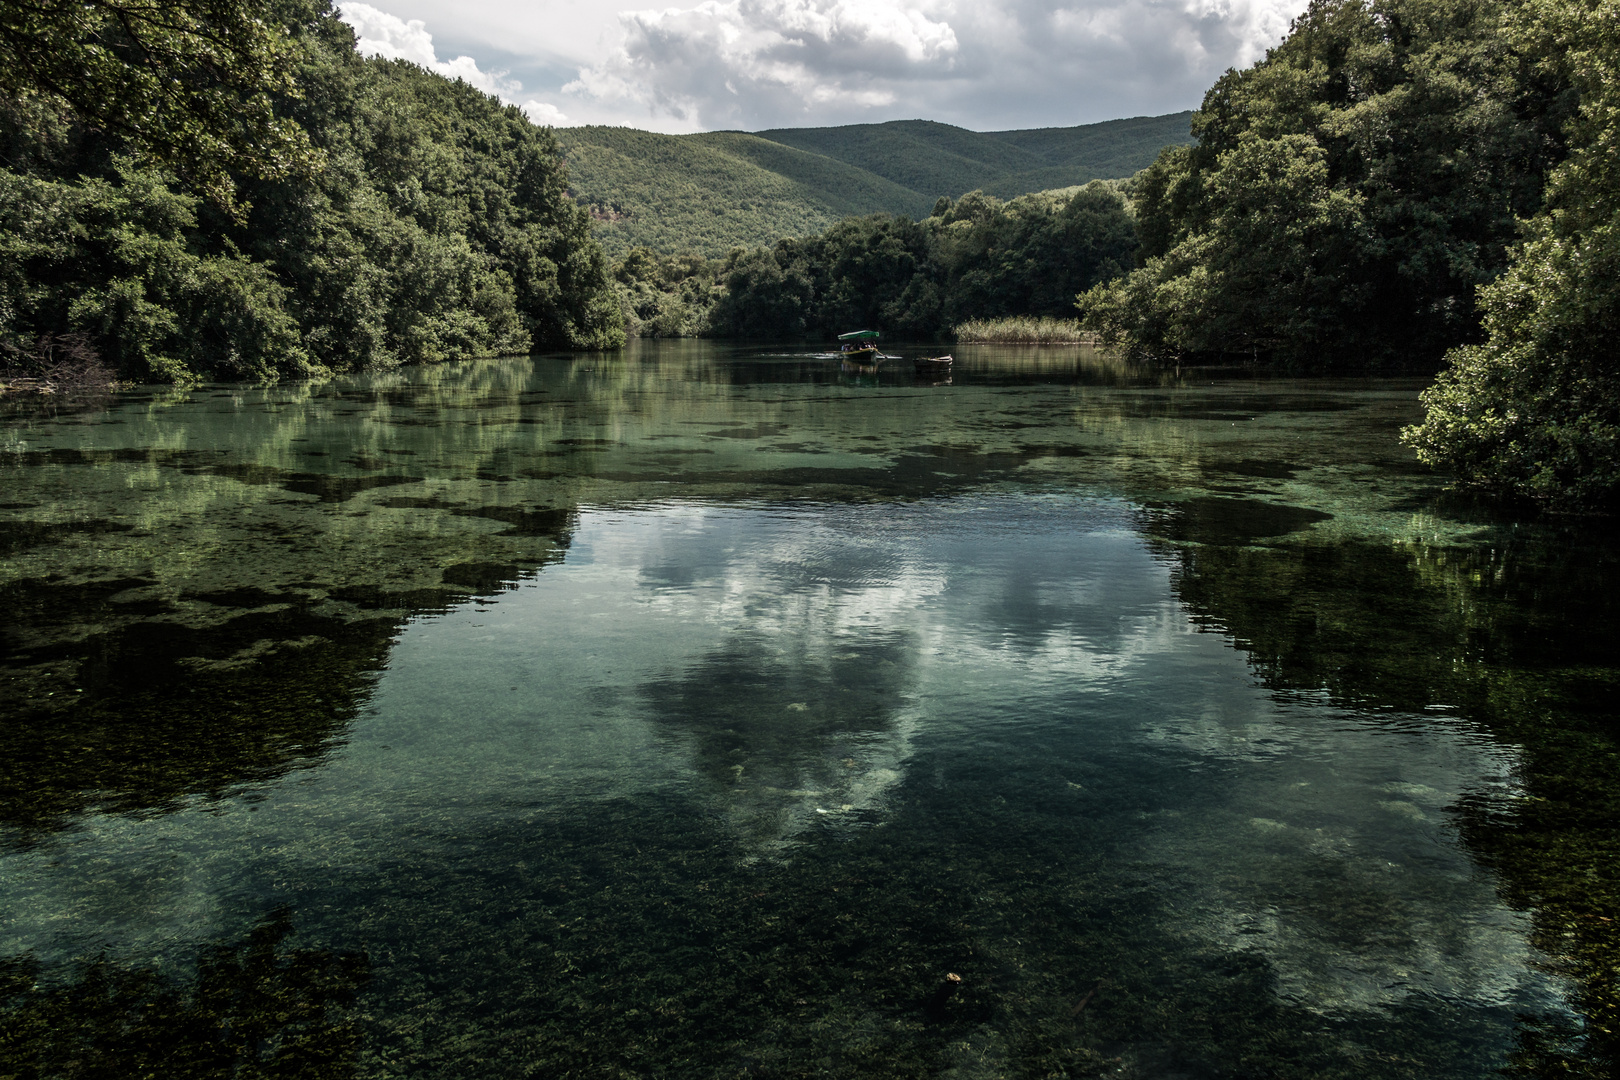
<point x="1023" y="330"/>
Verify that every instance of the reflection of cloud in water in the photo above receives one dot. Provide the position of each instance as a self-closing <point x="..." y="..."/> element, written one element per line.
<point x="780" y="661"/>
<point x="799" y="708"/>
<point x="1328" y="850"/>
<point x="775" y="570"/>
<point x="819" y="727"/>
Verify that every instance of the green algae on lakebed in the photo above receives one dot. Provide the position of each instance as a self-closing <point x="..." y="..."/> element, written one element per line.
<point x="691" y="712"/>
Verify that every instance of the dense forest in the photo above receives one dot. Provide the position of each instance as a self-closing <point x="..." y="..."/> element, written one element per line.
<point x="973" y="258"/>
<point x="1347" y="194"/>
<point x="1535" y="409"/>
<point x="1402" y="183"/>
<point x="706" y="193"/>
<point x="1399" y="184"/>
<point x="300" y="210"/>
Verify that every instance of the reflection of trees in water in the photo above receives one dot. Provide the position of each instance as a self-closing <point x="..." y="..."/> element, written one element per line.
<point x="164" y="699"/>
<point x="255" y="1008"/>
<point x="178" y="621"/>
<point x="1519" y="638"/>
<point x="143" y="713"/>
<point x="786" y="730"/>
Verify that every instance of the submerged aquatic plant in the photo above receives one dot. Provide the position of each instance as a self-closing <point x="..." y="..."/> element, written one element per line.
<point x="255" y="1008"/>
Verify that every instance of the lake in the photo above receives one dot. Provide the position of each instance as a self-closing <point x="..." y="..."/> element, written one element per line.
<point x="704" y="710"/>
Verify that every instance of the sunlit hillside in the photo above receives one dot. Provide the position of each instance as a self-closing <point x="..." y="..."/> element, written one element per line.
<point x="707" y="193"/>
<point x="938" y="159"/>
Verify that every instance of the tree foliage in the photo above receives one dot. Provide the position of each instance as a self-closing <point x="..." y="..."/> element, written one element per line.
<point x="708" y="192"/>
<point x="110" y="259"/>
<point x="1536" y="408"/>
<point x="666" y="295"/>
<point x="189" y="83"/>
<point x="439" y="227"/>
<point x="974" y="258"/>
<point x="1347" y="195"/>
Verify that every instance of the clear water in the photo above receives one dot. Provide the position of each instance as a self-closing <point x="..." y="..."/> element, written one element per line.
<point x="700" y="710"/>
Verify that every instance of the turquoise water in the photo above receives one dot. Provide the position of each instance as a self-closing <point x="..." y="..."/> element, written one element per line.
<point x="698" y="710"/>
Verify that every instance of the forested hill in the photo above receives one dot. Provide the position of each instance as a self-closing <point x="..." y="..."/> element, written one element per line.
<point x="705" y="194"/>
<point x="938" y="159"/>
<point x="378" y="214"/>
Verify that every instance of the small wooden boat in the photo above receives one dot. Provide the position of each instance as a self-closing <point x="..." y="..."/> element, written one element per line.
<point x="934" y="365"/>
<point x="859" y="346"/>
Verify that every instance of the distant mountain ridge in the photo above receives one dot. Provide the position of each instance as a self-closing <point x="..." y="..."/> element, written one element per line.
<point x="936" y="158"/>
<point x="707" y="193"/>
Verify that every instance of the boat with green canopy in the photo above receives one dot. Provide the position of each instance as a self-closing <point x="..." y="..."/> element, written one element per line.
<point x="859" y="345"/>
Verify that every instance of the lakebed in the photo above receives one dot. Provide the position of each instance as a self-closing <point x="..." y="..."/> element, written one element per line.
<point x="696" y="710"/>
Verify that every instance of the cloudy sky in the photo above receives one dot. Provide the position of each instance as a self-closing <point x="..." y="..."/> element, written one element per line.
<point x="753" y="64"/>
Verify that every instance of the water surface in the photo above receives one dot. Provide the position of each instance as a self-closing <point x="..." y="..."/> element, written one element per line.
<point x="697" y="710"/>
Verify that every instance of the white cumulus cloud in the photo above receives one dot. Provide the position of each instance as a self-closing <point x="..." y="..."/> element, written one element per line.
<point x="1257" y="24"/>
<point x="543" y="112"/>
<point x="382" y="34"/>
<point x="1006" y="63"/>
<point x="732" y="62"/>
<point x="704" y="64"/>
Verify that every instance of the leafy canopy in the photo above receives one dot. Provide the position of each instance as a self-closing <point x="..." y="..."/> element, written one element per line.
<point x="975" y="258"/>
<point x="190" y="84"/>
<point x="1536" y="408"/>
<point x="438" y="229"/>
<point x="1347" y="195"/>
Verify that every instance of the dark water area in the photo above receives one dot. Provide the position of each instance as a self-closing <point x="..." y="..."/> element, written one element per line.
<point x="716" y="711"/>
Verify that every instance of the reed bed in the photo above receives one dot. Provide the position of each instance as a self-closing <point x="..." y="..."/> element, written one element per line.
<point x="1024" y="330"/>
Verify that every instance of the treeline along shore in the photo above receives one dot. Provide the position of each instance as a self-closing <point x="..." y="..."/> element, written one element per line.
<point x="231" y="191"/>
<point x="974" y="258"/>
<point x="384" y="215"/>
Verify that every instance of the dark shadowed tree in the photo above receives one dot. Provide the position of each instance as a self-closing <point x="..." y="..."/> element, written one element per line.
<point x="438" y="227"/>
<point x="1348" y="194"/>
<point x="189" y="84"/>
<point x="1536" y="408"/>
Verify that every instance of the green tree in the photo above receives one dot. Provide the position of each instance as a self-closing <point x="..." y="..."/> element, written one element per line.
<point x="1031" y="255"/>
<point x="1536" y="409"/>
<point x="666" y="295"/>
<point x="439" y="228"/>
<point x="1273" y="269"/>
<point x="1348" y="193"/>
<point x="874" y="272"/>
<point x="112" y="260"/>
<point x="768" y="293"/>
<point x="190" y="84"/>
<point x="975" y="258"/>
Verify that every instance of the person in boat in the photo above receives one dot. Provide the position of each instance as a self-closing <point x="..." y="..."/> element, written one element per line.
<point x="861" y="341"/>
